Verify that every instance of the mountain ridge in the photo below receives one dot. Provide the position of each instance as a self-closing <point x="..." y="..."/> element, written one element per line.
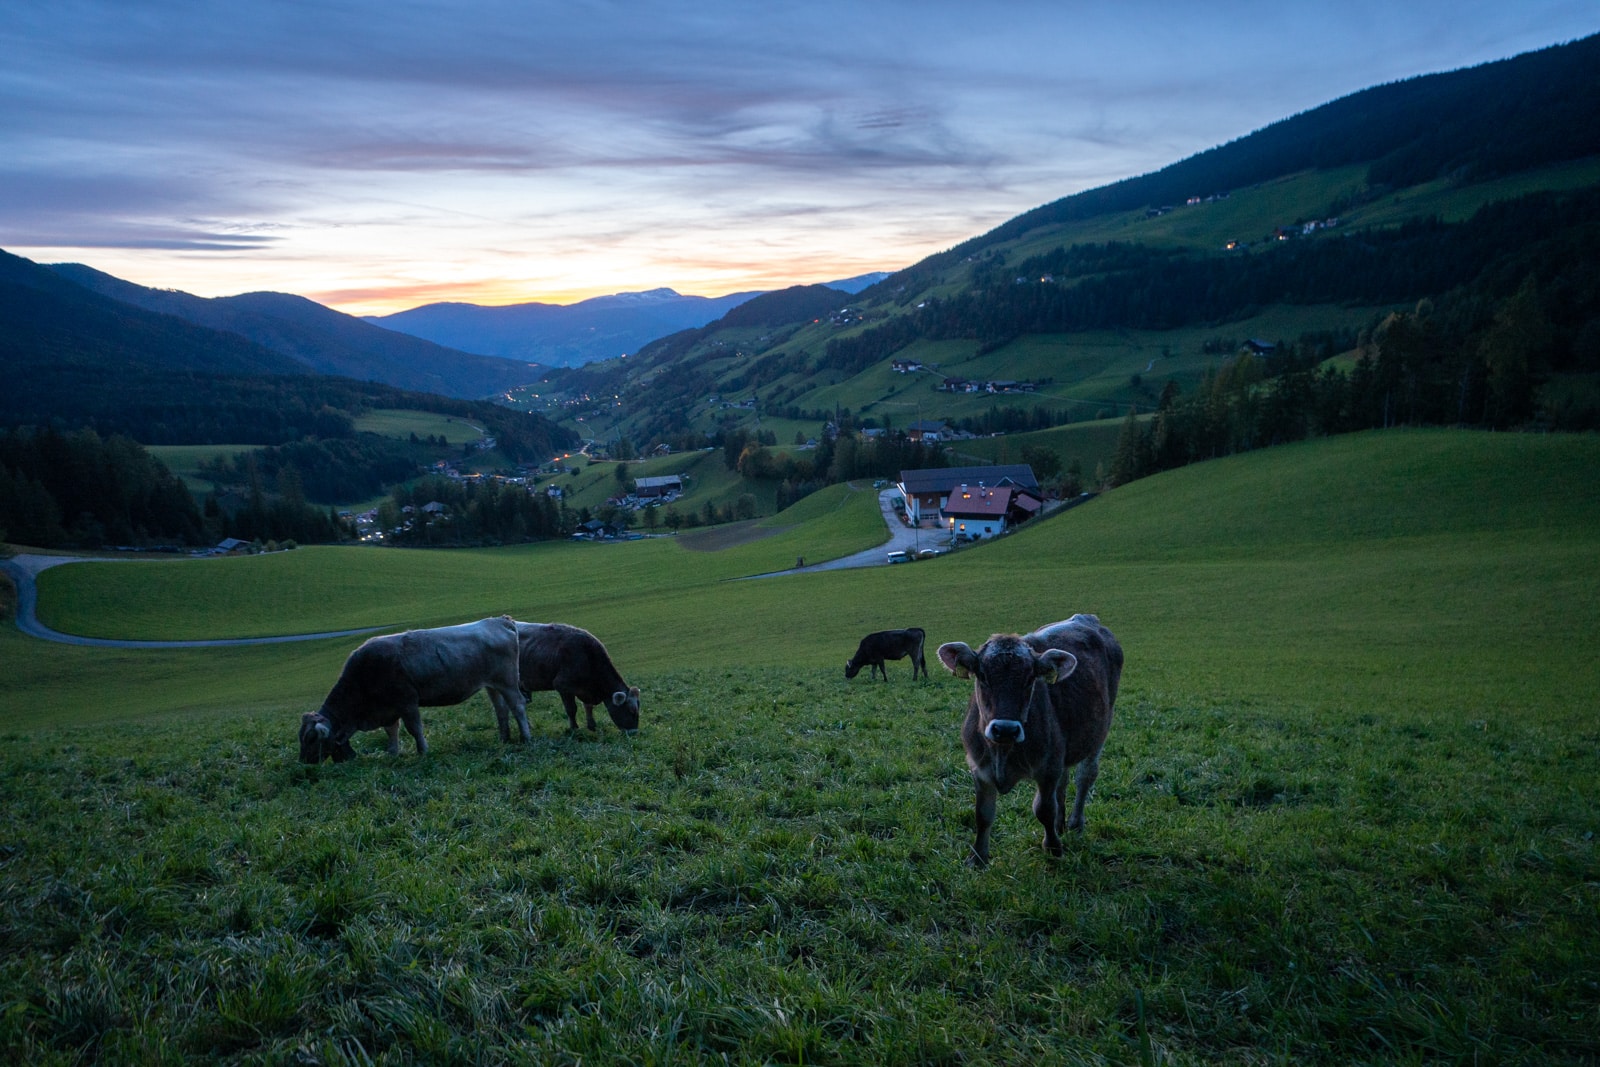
<point x="322" y="340"/>
<point x="566" y="335"/>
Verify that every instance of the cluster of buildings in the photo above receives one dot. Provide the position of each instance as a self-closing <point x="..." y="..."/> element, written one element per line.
<point x="992" y="385"/>
<point x="971" y="503"/>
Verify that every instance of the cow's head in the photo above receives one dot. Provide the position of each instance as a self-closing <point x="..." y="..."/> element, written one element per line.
<point x="319" y="742"/>
<point x="1010" y="680"/>
<point x="624" y="708"/>
<point x="851" y="668"/>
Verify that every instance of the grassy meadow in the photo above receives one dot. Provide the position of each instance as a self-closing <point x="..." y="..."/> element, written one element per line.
<point x="1347" y="812"/>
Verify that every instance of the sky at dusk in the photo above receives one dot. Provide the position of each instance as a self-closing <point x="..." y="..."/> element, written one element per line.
<point x="379" y="155"/>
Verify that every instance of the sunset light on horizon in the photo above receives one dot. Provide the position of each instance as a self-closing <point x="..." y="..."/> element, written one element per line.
<point x="376" y="158"/>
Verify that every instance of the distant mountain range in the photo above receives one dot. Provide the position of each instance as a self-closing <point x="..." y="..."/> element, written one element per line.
<point x="571" y="335"/>
<point x="71" y="356"/>
<point x="318" y="339"/>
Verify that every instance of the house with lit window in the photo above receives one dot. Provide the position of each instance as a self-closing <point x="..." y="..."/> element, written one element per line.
<point x="972" y="501"/>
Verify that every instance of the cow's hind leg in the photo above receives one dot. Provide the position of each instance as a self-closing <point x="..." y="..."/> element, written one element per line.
<point x="509" y="703"/>
<point x="502" y="715"/>
<point x="412" y="717"/>
<point x="394" y="737"/>
<point x="1088" y="771"/>
<point x="1047" y="799"/>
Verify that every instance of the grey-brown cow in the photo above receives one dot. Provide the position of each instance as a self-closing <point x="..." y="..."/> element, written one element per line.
<point x="1040" y="704"/>
<point x="576" y="665"/>
<point x="387" y="679"/>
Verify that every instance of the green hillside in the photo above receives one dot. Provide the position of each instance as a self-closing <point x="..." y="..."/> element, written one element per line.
<point x="1359" y="683"/>
<point x="1438" y="198"/>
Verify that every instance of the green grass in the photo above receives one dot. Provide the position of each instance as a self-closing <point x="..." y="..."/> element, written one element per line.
<point x="709" y="479"/>
<point x="1091" y="372"/>
<point x="185" y="460"/>
<point x="1089" y="443"/>
<point x="1347" y="812"/>
<point x="396" y="422"/>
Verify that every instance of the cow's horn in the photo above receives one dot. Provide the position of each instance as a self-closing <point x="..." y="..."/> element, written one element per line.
<point x="322" y="730"/>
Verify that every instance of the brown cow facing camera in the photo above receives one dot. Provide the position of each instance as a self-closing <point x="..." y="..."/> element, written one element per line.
<point x="1041" y="703"/>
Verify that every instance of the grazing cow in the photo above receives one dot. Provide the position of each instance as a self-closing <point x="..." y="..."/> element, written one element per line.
<point x="1040" y="704"/>
<point x="888" y="644"/>
<point x="388" y="678"/>
<point x="575" y="664"/>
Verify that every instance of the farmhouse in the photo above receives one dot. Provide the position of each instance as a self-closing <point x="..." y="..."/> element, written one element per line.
<point x="927" y="430"/>
<point x="654" y="488"/>
<point x="928" y="495"/>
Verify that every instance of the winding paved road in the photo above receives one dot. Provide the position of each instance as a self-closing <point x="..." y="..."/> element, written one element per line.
<point x="23" y="569"/>
<point x="901" y="538"/>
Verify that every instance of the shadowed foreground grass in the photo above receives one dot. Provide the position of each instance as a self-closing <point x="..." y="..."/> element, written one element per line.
<point x="1347" y="812"/>
<point x="773" y="871"/>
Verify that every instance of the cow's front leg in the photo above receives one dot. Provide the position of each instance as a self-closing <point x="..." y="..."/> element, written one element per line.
<point x="1047" y="798"/>
<point x="1088" y="771"/>
<point x="588" y="711"/>
<point x="571" y="704"/>
<point x="412" y="717"/>
<point x="983" y="811"/>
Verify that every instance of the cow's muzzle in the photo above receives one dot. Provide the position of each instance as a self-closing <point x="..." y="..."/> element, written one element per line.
<point x="1004" y="732"/>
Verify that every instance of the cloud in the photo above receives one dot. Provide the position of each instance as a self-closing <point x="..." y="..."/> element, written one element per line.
<point x="346" y="142"/>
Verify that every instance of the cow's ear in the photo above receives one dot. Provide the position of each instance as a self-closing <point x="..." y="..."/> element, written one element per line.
<point x="958" y="658"/>
<point x="1055" y="664"/>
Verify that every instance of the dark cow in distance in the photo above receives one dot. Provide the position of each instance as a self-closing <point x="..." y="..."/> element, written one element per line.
<point x="388" y="678"/>
<point x="888" y="644"/>
<point x="1040" y="704"/>
<point x="575" y="664"/>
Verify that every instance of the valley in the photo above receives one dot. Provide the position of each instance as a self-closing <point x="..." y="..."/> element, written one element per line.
<point x="1311" y="416"/>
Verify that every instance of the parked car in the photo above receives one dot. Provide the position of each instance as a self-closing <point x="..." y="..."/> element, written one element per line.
<point x="898" y="556"/>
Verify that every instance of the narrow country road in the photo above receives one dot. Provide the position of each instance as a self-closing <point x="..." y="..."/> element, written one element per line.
<point x="23" y="569"/>
<point x="901" y="538"/>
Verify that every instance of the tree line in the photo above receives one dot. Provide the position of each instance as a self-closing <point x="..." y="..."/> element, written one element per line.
<point x="1452" y="363"/>
<point x="484" y="512"/>
<point x="81" y="490"/>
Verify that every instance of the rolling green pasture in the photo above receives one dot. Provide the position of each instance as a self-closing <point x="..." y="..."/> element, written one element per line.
<point x="184" y="461"/>
<point x="709" y="480"/>
<point x="1347" y="812"/>
<point x="398" y="422"/>
<point x="1089" y="443"/>
<point x="1092" y="371"/>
